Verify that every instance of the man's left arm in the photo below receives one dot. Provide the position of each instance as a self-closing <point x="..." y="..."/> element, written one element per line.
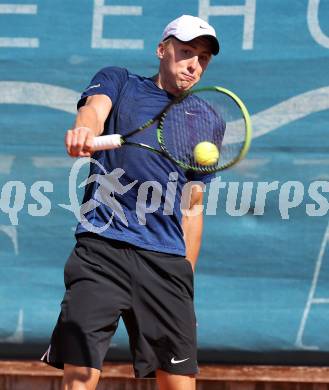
<point x="192" y="224"/>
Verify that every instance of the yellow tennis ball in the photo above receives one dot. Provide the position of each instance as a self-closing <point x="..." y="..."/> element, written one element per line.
<point x="206" y="153"/>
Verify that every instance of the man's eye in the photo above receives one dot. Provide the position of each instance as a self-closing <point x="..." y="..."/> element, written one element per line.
<point x="204" y="58"/>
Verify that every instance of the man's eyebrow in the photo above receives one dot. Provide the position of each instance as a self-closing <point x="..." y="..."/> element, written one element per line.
<point x="207" y="51"/>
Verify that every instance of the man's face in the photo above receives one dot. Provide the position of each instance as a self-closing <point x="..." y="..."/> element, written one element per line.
<point x="183" y="63"/>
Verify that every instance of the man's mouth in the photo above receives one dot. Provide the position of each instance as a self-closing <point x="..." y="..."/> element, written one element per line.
<point x="187" y="77"/>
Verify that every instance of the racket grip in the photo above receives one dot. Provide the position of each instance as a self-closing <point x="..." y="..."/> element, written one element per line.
<point x="107" y="142"/>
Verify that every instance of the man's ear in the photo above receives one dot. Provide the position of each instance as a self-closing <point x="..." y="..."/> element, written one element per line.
<point x="160" y="50"/>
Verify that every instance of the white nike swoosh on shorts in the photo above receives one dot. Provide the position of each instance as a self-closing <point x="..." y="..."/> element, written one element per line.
<point x="173" y="361"/>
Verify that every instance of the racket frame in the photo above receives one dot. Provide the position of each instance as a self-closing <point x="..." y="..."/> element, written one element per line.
<point x="160" y="118"/>
<point x="205" y="169"/>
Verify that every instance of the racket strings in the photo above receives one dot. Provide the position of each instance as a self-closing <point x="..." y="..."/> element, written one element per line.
<point x="187" y="124"/>
<point x="209" y="116"/>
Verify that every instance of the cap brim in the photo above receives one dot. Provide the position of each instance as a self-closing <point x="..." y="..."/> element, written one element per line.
<point x="214" y="44"/>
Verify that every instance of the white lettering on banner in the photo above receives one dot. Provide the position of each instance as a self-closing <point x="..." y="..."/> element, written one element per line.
<point x="313" y="299"/>
<point x="27" y="9"/>
<point x="313" y="23"/>
<point x="248" y="11"/>
<point x="101" y="10"/>
<point x="11" y="232"/>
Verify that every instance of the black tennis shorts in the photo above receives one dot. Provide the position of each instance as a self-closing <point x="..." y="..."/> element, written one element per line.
<point x="152" y="291"/>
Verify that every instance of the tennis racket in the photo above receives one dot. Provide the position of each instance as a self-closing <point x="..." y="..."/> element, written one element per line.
<point x="213" y="116"/>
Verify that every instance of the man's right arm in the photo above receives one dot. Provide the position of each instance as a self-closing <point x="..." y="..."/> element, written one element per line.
<point x="89" y="123"/>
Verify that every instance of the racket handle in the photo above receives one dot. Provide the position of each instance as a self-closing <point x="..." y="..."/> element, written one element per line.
<point x="107" y="142"/>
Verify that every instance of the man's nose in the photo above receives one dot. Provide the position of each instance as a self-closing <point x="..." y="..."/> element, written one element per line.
<point x="193" y="63"/>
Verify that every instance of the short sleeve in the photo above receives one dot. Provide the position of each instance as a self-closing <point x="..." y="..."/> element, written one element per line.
<point x="108" y="81"/>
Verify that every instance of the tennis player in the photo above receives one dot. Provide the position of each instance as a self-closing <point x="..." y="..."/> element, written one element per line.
<point x="140" y="270"/>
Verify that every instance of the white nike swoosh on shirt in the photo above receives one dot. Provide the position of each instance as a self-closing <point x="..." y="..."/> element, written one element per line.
<point x="173" y="361"/>
<point x="93" y="86"/>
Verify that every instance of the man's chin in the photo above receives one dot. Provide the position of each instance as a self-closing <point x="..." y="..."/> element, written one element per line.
<point x="185" y="86"/>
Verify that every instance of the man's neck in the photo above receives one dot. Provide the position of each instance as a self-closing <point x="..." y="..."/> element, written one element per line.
<point x="161" y="83"/>
<point x="157" y="80"/>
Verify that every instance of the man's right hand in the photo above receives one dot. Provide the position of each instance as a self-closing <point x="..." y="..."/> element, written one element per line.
<point x="79" y="142"/>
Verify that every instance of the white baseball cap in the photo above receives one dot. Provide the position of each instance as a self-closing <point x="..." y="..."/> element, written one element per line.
<point x="187" y="27"/>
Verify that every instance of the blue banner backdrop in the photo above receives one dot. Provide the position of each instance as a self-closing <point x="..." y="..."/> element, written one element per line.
<point x="262" y="280"/>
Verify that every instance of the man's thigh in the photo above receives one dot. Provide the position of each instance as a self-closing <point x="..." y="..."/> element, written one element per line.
<point x="97" y="290"/>
<point x="162" y="323"/>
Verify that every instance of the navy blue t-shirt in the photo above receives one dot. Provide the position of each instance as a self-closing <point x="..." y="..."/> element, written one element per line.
<point x="133" y="194"/>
